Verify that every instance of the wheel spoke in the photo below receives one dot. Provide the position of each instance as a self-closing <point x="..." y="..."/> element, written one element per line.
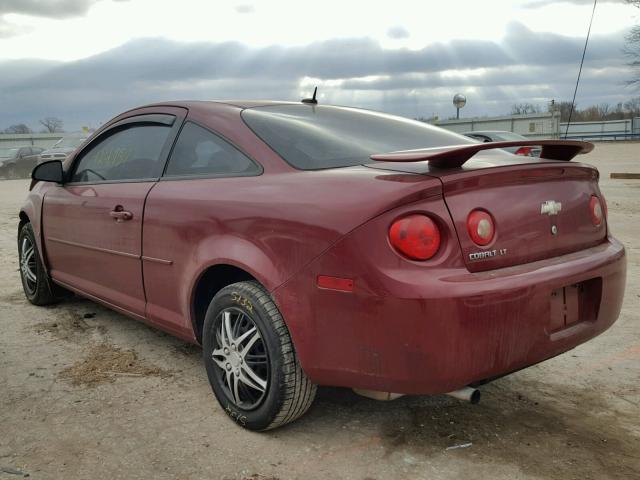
<point x="236" y="326"/>
<point x="236" y="395"/>
<point x="220" y="362"/>
<point x="25" y="245"/>
<point x="244" y="336"/>
<point x="257" y="361"/>
<point x="250" y="378"/>
<point x="218" y="352"/>
<point x="30" y="275"/>
<point x="226" y="322"/>
<point x="229" y="380"/>
<point x="250" y="343"/>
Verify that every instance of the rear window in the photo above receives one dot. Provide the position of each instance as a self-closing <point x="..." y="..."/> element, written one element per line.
<point x="318" y="137"/>
<point x="509" y="136"/>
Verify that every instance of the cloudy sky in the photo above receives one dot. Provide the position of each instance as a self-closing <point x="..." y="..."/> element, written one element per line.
<point x="86" y="60"/>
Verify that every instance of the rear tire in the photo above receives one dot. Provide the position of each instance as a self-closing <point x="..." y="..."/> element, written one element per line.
<point x="35" y="281"/>
<point x="250" y="360"/>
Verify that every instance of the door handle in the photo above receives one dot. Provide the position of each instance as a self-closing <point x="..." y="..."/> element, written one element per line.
<point x="119" y="214"/>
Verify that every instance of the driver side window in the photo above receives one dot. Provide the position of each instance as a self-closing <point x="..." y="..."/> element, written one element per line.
<point x="132" y="153"/>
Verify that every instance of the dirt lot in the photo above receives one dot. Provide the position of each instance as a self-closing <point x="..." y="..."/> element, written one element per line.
<point x="88" y="393"/>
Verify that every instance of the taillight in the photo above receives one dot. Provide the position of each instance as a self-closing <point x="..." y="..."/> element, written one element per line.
<point x="526" y="151"/>
<point x="595" y="208"/>
<point x="415" y="236"/>
<point x="480" y="227"/>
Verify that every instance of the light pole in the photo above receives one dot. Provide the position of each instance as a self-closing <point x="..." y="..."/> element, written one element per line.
<point x="459" y="101"/>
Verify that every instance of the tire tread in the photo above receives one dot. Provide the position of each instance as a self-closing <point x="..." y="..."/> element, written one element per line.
<point x="298" y="392"/>
<point x="44" y="294"/>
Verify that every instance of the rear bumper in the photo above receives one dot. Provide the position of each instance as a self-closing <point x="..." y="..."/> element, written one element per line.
<point x="432" y="331"/>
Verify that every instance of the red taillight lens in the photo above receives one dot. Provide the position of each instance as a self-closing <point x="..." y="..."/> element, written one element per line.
<point x="605" y="208"/>
<point x="596" y="211"/>
<point x="480" y="227"/>
<point x="526" y="151"/>
<point x="415" y="236"/>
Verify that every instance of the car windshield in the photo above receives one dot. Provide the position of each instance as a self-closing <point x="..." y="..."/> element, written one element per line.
<point x="8" y="152"/>
<point x="318" y="137"/>
<point x="69" y="142"/>
<point x="508" y="136"/>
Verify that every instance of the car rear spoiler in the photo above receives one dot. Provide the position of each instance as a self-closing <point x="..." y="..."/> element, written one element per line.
<point x="454" y="156"/>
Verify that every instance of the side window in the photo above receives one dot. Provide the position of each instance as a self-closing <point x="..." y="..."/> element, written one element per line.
<point x="201" y="152"/>
<point x="128" y="154"/>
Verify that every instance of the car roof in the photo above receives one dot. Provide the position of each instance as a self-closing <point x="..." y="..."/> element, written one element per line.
<point x="217" y="104"/>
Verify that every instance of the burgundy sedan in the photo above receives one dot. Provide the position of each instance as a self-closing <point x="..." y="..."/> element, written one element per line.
<point x="306" y="245"/>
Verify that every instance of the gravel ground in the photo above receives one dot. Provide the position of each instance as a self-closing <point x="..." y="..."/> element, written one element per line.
<point x="88" y="393"/>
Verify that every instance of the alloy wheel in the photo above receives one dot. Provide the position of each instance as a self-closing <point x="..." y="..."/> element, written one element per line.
<point x="241" y="355"/>
<point x="28" y="264"/>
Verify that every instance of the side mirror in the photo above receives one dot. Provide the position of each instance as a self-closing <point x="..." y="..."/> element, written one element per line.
<point x="50" y="171"/>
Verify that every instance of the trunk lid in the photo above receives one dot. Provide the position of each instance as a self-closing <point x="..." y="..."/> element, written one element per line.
<point x="513" y="193"/>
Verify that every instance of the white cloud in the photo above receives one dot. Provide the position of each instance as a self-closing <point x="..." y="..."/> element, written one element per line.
<point x="105" y="24"/>
<point x="406" y="56"/>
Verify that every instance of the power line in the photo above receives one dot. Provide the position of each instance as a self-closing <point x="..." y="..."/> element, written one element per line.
<point x="586" y="41"/>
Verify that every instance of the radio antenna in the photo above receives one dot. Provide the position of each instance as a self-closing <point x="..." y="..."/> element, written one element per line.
<point x="586" y="41"/>
<point x="311" y="100"/>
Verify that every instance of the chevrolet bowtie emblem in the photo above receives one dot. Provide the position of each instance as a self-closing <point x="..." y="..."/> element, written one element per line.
<point x="550" y="207"/>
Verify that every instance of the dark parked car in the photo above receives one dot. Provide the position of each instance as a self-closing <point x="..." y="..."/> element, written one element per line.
<point x="500" y="136"/>
<point x="17" y="162"/>
<point x="63" y="147"/>
<point x="306" y="245"/>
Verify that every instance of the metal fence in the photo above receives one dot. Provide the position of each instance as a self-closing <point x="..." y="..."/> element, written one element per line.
<point x="535" y="126"/>
<point x="609" y="130"/>
<point x="44" y="140"/>
<point x="547" y="125"/>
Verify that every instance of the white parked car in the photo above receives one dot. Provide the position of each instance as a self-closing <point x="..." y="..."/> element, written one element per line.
<point x="63" y="147"/>
<point x="500" y="136"/>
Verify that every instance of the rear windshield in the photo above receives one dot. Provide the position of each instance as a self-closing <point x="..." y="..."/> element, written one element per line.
<point x="508" y="136"/>
<point x="8" y="152"/>
<point x="318" y="137"/>
<point x="70" y="142"/>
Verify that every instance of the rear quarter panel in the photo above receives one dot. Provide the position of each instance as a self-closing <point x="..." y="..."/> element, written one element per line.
<point x="270" y="226"/>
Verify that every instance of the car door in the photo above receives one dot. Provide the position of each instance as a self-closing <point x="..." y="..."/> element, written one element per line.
<point x="189" y="205"/>
<point x="93" y="223"/>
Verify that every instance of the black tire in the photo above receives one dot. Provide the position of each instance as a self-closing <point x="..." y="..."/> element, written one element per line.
<point x="288" y="393"/>
<point x="39" y="291"/>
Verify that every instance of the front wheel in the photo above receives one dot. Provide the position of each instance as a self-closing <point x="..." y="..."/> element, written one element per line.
<point x="250" y="359"/>
<point x="35" y="281"/>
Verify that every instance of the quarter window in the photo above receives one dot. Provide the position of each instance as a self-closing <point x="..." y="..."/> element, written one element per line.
<point x="133" y="153"/>
<point x="199" y="152"/>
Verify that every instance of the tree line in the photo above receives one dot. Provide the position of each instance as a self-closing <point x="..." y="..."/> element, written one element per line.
<point x="593" y="113"/>
<point x="49" y="124"/>
<point x="632" y="49"/>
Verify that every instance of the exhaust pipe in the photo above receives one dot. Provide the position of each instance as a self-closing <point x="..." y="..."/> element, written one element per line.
<point x="467" y="394"/>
